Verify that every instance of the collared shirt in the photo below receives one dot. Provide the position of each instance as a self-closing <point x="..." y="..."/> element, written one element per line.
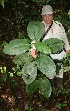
<point x="57" y="31"/>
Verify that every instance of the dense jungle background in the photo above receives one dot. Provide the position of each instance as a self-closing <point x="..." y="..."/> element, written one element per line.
<point x="14" y="18"/>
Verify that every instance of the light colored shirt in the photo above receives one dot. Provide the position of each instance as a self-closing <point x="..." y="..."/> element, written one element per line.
<point x="57" y="31"/>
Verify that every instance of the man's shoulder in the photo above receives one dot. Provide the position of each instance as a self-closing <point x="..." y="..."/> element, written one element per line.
<point x="57" y="23"/>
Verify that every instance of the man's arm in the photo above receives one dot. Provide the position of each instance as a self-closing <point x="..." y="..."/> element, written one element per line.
<point x="65" y="39"/>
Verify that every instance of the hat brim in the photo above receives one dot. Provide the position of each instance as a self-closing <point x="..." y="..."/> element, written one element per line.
<point x="47" y="13"/>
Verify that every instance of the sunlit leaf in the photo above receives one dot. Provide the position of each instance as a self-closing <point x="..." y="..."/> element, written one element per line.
<point x="42" y="84"/>
<point x="35" y="30"/>
<point x="29" y="72"/>
<point x="31" y="88"/>
<point x="45" y="87"/>
<point x="43" y="47"/>
<point x="69" y="13"/>
<point x="46" y="65"/>
<point x="55" y="44"/>
<point x="22" y="58"/>
<point x="67" y="68"/>
<point x="2" y="2"/>
<point x="16" y="47"/>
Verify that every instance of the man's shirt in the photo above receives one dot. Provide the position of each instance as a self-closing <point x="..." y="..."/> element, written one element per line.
<point x="57" y="31"/>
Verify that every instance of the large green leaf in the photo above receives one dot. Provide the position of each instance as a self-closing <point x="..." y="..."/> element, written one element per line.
<point x="22" y="58"/>
<point x="55" y="44"/>
<point x="35" y="30"/>
<point x="45" y="87"/>
<point x="29" y="72"/>
<point x="42" y="84"/>
<point x="46" y="65"/>
<point x="31" y="88"/>
<point x="43" y="47"/>
<point x="16" y="47"/>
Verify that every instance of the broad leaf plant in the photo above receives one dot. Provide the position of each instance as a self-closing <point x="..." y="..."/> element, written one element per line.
<point x="35" y="71"/>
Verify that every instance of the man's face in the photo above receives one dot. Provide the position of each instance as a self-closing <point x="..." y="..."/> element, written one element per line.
<point x="47" y="18"/>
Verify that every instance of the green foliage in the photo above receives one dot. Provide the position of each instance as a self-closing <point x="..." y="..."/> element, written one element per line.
<point x="69" y="29"/>
<point x="0" y="35"/>
<point x="55" y="45"/>
<point x="46" y="65"/>
<point x="63" y="91"/>
<point x="43" y="47"/>
<point x="35" y="30"/>
<point x="67" y="63"/>
<point x="69" y="13"/>
<point x="29" y="108"/>
<point x="69" y="24"/>
<point x="29" y="72"/>
<point x="67" y="68"/>
<point x="41" y="2"/>
<point x="60" y="105"/>
<point x="5" y="74"/>
<point x="3" y="70"/>
<point x="17" y="71"/>
<point x="31" y="88"/>
<point x="67" y="59"/>
<point x="52" y="45"/>
<point x="43" y="84"/>
<point x="21" y="48"/>
<point x="16" y="47"/>
<point x="22" y="58"/>
<point x="2" y="2"/>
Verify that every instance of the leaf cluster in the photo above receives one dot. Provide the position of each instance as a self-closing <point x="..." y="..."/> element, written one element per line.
<point x="30" y="66"/>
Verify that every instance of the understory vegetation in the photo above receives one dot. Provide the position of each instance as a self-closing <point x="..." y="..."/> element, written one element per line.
<point x="24" y="80"/>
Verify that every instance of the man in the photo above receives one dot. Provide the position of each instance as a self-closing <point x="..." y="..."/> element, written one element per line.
<point x="54" y="30"/>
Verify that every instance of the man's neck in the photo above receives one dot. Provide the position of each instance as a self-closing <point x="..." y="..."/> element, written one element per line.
<point x="48" y="24"/>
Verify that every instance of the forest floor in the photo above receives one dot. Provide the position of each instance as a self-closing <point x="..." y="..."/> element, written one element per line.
<point x="13" y="96"/>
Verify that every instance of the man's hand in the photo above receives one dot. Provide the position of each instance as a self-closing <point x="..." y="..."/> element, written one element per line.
<point x="34" y="53"/>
